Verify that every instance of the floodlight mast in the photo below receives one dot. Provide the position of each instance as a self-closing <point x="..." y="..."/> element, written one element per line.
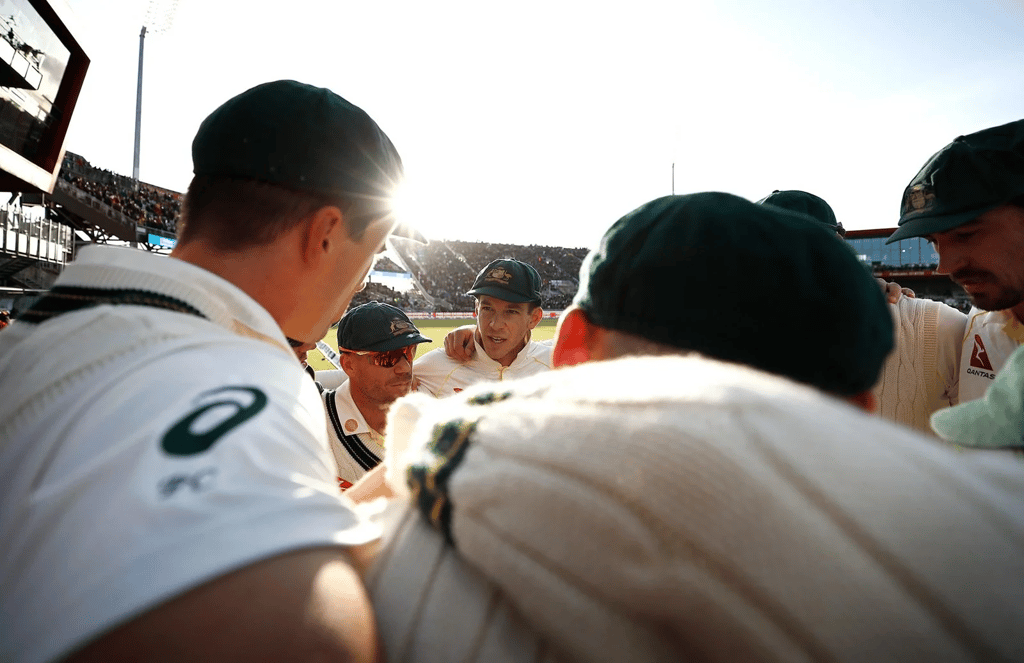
<point x="138" y="109"/>
<point x="159" y="17"/>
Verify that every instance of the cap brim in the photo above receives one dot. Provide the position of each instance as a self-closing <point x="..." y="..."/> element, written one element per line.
<point x="498" y="293"/>
<point x="977" y="424"/>
<point x="406" y="231"/>
<point x="994" y="421"/>
<point x="405" y="340"/>
<point x="936" y="224"/>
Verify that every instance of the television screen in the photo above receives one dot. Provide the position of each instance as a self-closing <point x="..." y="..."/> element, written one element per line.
<point x="42" y="68"/>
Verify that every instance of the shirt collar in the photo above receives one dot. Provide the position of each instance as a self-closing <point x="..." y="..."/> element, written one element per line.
<point x="347" y="410"/>
<point x="220" y="301"/>
<point x="485" y="359"/>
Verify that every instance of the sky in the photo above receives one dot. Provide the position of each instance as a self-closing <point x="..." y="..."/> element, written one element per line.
<point x="542" y="122"/>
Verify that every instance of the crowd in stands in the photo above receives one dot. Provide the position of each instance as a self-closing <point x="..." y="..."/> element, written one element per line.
<point x="147" y="205"/>
<point x="383" y="293"/>
<point x="386" y="264"/>
<point x="442" y="270"/>
<point x="446" y="269"/>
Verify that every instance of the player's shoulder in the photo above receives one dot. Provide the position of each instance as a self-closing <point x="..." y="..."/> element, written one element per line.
<point x="979" y="316"/>
<point x="435" y="360"/>
<point x="541" y="348"/>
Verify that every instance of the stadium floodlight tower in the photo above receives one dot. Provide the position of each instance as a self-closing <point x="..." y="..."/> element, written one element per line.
<point x="159" y="17"/>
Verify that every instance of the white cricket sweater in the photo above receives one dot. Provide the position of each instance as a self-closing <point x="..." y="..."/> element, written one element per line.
<point x="711" y="512"/>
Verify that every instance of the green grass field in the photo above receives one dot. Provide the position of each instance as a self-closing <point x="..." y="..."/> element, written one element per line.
<point x="435" y="329"/>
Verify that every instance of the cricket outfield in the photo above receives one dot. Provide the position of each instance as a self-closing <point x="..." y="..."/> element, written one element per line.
<point x="435" y="329"/>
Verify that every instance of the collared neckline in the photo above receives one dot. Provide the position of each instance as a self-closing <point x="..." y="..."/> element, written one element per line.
<point x="219" y="300"/>
<point x="348" y="411"/>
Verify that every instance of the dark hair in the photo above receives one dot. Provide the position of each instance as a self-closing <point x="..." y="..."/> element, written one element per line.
<point x="234" y="213"/>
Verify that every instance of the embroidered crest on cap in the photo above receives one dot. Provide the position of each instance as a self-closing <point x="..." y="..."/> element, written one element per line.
<point x="918" y="198"/>
<point x="499" y="275"/>
<point x="399" y="327"/>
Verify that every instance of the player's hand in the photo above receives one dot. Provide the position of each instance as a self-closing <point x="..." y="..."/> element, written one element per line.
<point x="370" y="486"/>
<point x="893" y="291"/>
<point x="459" y="345"/>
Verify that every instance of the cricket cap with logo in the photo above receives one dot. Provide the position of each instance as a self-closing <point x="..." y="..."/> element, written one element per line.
<point x="509" y="280"/>
<point x="970" y="176"/>
<point x="302" y="137"/>
<point x="805" y="203"/>
<point x="377" y="327"/>
<point x="995" y="420"/>
<point x="714" y="273"/>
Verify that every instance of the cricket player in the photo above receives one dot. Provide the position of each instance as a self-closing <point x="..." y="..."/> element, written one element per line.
<point x="920" y="376"/>
<point x="674" y="507"/>
<point x="508" y="307"/>
<point x="968" y="201"/>
<point x="166" y="488"/>
<point x="377" y="342"/>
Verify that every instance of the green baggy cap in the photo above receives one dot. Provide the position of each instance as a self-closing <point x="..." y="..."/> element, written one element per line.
<point x="752" y="284"/>
<point x="302" y="137"/>
<point x="377" y="327"/>
<point x="968" y="177"/>
<point x="805" y="203"/>
<point x="509" y="280"/>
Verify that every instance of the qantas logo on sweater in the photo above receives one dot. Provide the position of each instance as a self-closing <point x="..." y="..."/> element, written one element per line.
<point x="979" y="357"/>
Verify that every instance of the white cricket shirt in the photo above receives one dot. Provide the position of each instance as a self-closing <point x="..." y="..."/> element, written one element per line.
<point x="440" y="375"/>
<point x="146" y="451"/>
<point x="990" y="339"/>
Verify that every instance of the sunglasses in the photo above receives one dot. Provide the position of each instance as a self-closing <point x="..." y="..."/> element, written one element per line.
<point x="387" y="359"/>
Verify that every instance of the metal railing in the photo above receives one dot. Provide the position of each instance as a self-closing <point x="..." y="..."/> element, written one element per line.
<point x="43" y="239"/>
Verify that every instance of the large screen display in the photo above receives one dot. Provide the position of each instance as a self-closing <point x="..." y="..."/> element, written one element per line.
<point x="42" y="67"/>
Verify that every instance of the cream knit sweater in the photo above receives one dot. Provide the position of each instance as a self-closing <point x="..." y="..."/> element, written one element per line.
<point x="921" y="374"/>
<point x="675" y="508"/>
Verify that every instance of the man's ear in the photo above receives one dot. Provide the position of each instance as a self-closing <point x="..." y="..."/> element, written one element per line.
<point x="319" y="231"/>
<point x="345" y="359"/>
<point x="573" y="339"/>
<point x="865" y="400"/>
<point x="536" y="316"/>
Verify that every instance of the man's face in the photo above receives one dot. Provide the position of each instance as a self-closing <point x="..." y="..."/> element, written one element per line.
<point x="302" y="351"/>
<point x="986" y="257"/>
<point x="503" y="327"/>
<point x="351" y="266"/>
<point x="380" y="385"/>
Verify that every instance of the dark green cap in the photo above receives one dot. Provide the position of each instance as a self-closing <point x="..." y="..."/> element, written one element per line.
<point x="746" y="283"/>
<point x="302" y="137"/>
<point x="509" y="280"/>
<point x="805" y="203"/>
<point x="968" y="177"/>
<point x="377" y="327"/>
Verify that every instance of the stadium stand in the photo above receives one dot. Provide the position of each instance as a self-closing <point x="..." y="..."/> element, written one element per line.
<point x="144" y="205"/>
<point x="445" y="269"/>
<point x="108" y="207"/>
<point x="910" y="262"/>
